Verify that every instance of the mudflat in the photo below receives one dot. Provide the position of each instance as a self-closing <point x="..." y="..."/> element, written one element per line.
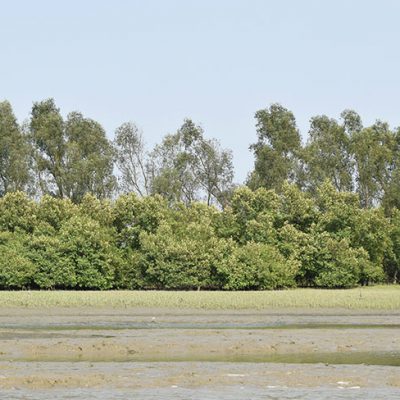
<point x="158" y="349"/>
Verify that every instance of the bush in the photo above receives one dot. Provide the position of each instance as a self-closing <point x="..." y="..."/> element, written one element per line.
<point x="257" y="266"/>
<point x="16" y="269"/>
<point x="87" y="250"/>
<point x="17" y="213"/>
<point x="263" y="241"/>
<point x="52" y="272"/>
<point x="180" y="257"/>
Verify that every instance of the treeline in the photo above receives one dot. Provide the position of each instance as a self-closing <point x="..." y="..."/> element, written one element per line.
<point x="263" y="240"/>
<point x="78" y="211"/>
<point x="67" y="158"/>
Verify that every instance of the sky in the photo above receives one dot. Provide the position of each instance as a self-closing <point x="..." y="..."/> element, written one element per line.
<point x="156" y="62"/>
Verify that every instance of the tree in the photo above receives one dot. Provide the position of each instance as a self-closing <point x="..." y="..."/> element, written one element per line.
<point x="89" y="159"/>
<point x="187" y="167"/>
<point x="211" y="165"/>
<point x="392" y="261"/>
<point x="47" y="134"/>
<point x="328" y="154"/>
<point x="372" y="148"/>
<point x="14" y="153"/>
<point x="131" y="159"/>
<point x="391" y="195"/>
<point x="72" y="157"/>
<point x="277" y="149"/>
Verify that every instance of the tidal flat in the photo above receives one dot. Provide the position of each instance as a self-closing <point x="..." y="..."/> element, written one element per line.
<point x="169" y="353"/>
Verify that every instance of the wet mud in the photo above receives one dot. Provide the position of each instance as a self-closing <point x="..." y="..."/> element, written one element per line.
<point x="174" y="353"/>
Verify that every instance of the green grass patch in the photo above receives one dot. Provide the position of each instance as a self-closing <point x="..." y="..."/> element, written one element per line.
<point x="377" y="297"/>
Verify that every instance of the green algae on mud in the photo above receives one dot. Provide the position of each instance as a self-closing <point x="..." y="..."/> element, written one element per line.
<point x="376" y="297"/>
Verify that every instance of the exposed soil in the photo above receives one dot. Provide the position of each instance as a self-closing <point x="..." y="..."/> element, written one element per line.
<point x="135" y="349"/>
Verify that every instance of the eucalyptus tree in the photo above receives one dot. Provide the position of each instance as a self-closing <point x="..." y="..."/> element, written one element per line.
<point x="131" y="159"/>
<point x="188" y="167"/>
<point x="89" y="159"/>
<point x="277" y="150"/>
<point x="14" y="153"/>
<point x="72" y="157"/>
<point x="391" y="195"/>
<point x="373" y="155"/>
<point x="328" y="155"/>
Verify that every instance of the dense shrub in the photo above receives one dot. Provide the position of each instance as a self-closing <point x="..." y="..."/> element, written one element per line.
<point x="182" y="253"/>
<point x="88" y="253"/>
<point x="261" y="241"/>
<point x="16" y="269"/>
<point x="52" y="270"/>
<point x="17" y="213"/>
<point x="257" y="266"/>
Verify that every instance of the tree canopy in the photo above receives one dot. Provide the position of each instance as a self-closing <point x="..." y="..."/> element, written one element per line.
<point x="81" y="211"/>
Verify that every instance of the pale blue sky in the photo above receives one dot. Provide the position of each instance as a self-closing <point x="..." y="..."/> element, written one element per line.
<point x="217" y="62"/>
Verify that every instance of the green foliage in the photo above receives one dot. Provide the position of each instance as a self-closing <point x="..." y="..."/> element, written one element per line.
<point x="297" y="208"/>
<point x="52" y="212"/>
<point x="72" y="157"/>
<point x="262" y="241"/>
<point x="187" y="167"/>
<point x="277" y="149"/>
<point x="328" y="154"/>
<point x="256" y="266"/>
<point x="324" y="214"/>
<point x="16" y="270"/>
<point x="392" y="258"/>
<point x="325" y="261"/>
<point x="183" y="252"/>
<point x="336" y="264"/>
<point x="14" y="153"/>
<point x="373" y="154"/>
<point x="17" y="213"/>
<point x="88" y="252"/>
<point x="254" y="214"/>
<point x="52" y="272"/>
<point x="133" y="215"/>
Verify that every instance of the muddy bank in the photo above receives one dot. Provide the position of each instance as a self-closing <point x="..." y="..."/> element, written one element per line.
<point x="192" y="344"/>
<point x="175" y="354"/>
<point x="168" y="335"/>
<point x="37" y="375"/>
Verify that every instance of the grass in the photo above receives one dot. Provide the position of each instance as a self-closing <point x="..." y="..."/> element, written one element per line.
<point x="377" y="297"/>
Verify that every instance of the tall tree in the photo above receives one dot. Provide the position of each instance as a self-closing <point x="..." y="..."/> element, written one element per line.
<point x="131" y="159"/>
<point x="391" y="196"/>
<point x="73" y="157"/>
<point x="188" y="167"/>
<point x="328" y="154"/>
<point x="277" y="148"/>
<point x="14" y="152"/>
<point x="211" y="165"/>
<point x="47" y="134"/>
<point x="372" y="149"/>
<point x="89" y="158"/>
